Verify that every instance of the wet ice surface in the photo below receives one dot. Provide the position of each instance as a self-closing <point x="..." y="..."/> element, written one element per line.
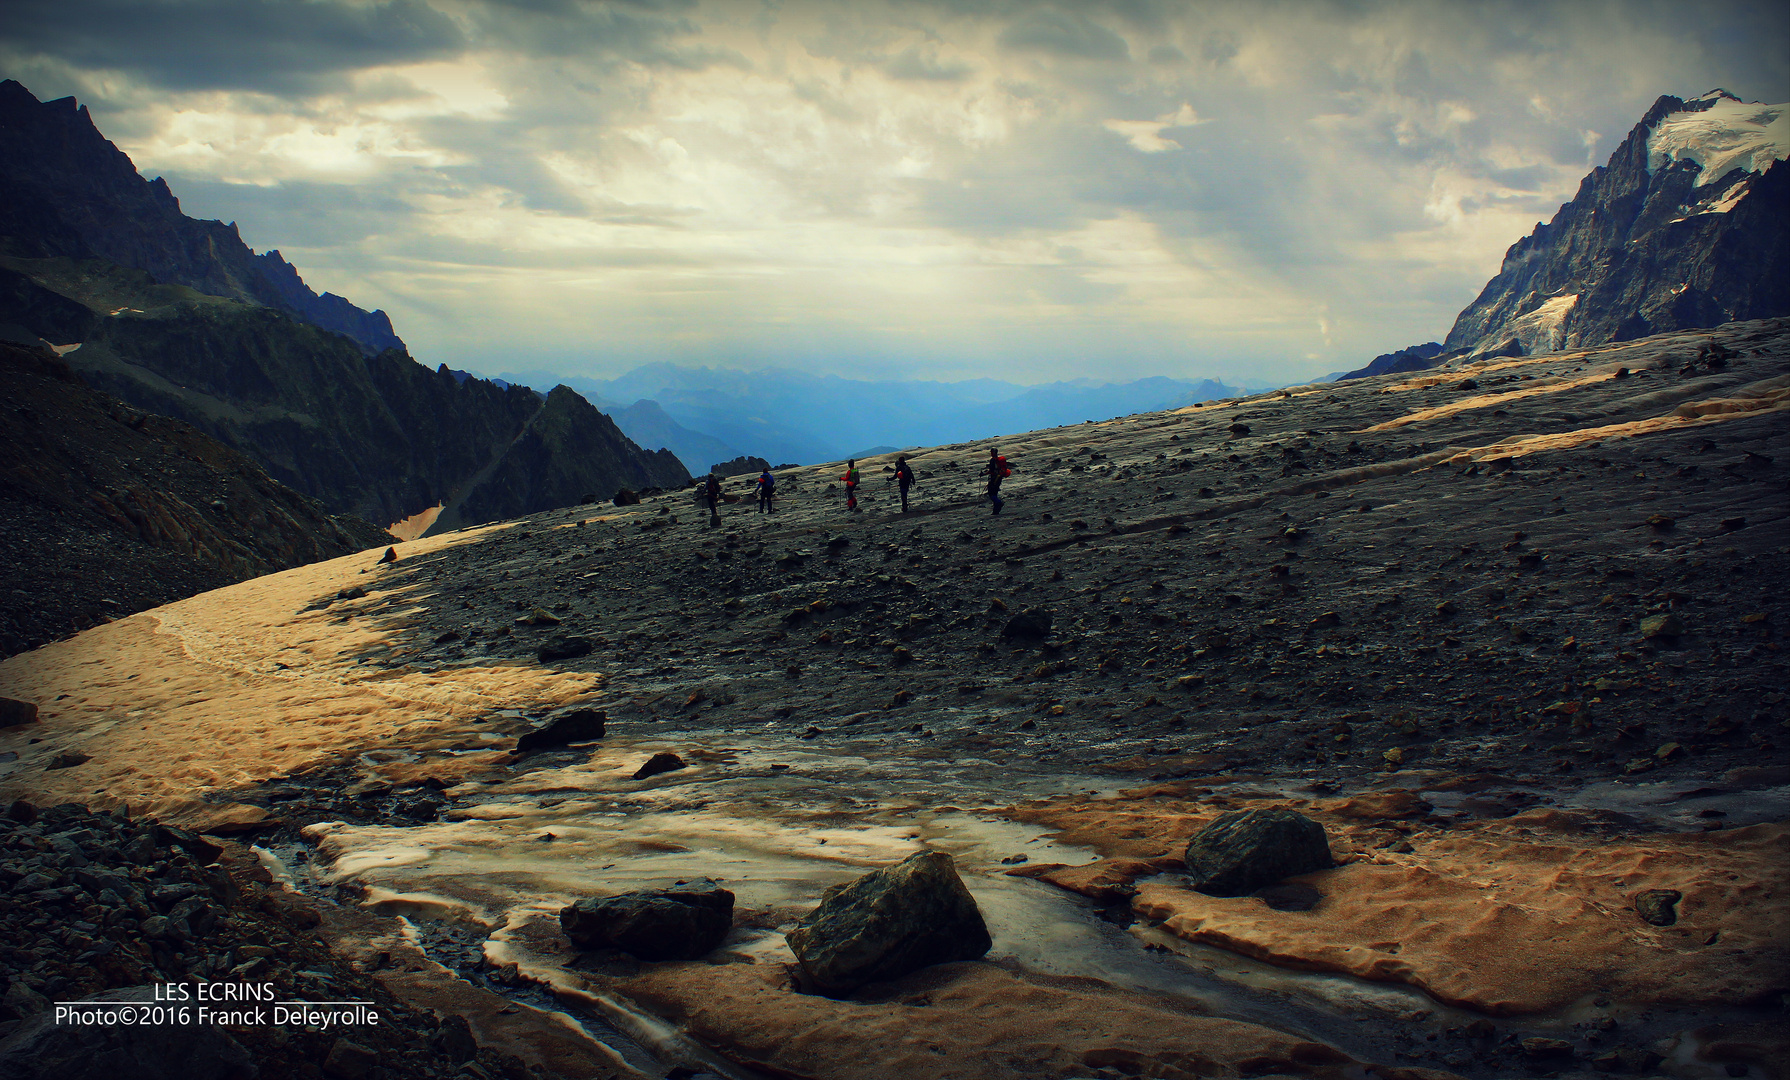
<point x="777" y="821"/>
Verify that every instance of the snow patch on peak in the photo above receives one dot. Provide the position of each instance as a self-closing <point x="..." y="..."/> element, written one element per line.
<point x="1729" y="134"/>
<point x="1541" y="330"/>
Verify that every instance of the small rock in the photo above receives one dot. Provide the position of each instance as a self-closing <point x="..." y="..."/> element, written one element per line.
<point x="390" y="556"/>
<point x="564" y="648"/>
<point x="1247" y="849"/>
<point x="1466" y="384"/>
<point x="1031" y="624"/>
<point x="22" y="812"/>
<point x="888" y="923"/>
<point x="68" y="760"/>
<point x="1661" y="522"/>
<point x="1656" y="906"/>
<point x="538" y="617"/>
<point x="1538" y="1047"/>
<point x="1662" y="626"/>
<point x="16" y="712"/>
<point x="581" y="725"/>
<point x="1239" y="430"/>
<point x="350" y="1060"/>
<point x="660" y="763"/>
<point x="680" y="923"/>
<point x="1328" y="618"/>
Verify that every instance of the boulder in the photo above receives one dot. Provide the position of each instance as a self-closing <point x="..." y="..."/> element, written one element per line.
<point x="660" y="763"/>
<point x="580" y="725"/>
<point x="1246" y="850"/>
<point x="888" y="923"/>
<point x="564" y="648"/>
<point x="680" y="923"/>
<point x="16" y="712"/>
<point x="624" y="497"/>
<point x="1031" y="624"/>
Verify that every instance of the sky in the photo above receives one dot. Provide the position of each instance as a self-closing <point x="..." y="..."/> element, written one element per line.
<point x="937" y="189"/>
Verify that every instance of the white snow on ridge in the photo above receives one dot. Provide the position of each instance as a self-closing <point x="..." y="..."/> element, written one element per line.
<point x="1729" y="135"/>
<point x="1541" y="330"/>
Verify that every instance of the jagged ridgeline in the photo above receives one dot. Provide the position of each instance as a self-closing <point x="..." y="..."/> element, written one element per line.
<point x="1687" y="226"/>
<point x="180" y="317"/>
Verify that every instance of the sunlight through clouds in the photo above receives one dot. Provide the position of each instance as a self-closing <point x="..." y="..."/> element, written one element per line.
<point x="1029" y="190"/>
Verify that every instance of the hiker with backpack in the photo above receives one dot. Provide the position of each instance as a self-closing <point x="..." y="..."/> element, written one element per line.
<point x="712" y="489"/>
<point x="767" y="489"/>
<point x="903" y="478"/>
<point x="851" y="484"/>
<point x="998" y="470"/>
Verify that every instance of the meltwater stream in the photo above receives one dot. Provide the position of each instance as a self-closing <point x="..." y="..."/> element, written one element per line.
<point x="777" y="822"/>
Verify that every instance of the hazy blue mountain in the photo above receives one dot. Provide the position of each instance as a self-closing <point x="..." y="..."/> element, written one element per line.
<point x="787" y="415"/>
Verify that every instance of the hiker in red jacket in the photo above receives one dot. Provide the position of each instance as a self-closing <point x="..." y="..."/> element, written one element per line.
<point x="998" y="470"/>
<point x="851" y="484"/>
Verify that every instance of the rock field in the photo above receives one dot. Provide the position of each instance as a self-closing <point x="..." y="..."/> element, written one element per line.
<point x="1512" y="633"/>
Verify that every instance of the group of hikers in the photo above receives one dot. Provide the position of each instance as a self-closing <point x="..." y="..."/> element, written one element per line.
<point x="996" y="470"/>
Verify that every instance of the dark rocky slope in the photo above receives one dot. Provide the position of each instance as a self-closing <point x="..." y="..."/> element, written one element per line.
<point x="178" y="317"/>
<point x="1644" y="250"/>
<point x="70" y="192"/>
<point x="107" y="510"/>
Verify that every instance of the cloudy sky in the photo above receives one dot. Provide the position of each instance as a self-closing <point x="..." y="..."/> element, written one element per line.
<point x="930" y="188"/>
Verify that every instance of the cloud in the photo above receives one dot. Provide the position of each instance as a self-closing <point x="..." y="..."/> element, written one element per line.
<point x="921" y="187"/>
<point x="268" y="45"/>
<point x="1065" y="34"/>
<point x="1146" y="135"/>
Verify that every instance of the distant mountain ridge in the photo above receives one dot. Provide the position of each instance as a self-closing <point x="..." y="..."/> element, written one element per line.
<point x="785" y="415"/>
<point x="180" y="318"/>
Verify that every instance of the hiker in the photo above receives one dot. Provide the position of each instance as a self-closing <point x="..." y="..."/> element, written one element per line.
<point x="767" y="488"/>
<point x="998" y="470"/>
<point x="903" y="478"/>
<point x="713" y="490"/>
<point x="851" y="484"/>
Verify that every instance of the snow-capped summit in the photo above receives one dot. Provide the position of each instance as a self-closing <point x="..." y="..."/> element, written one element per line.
<point x="1725" y="135"/>
<point x="1688" y="225"/>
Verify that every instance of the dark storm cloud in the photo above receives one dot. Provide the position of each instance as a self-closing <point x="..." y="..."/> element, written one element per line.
<point x="1067" y="34"/>
<point x="268" y="45"/>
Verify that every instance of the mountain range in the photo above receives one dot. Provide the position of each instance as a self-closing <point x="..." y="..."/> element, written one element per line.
<point x="180" y="317"/>
<point x="706" y="415"/>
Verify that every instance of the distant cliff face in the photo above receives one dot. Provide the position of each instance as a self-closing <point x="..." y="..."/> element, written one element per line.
<point x="174" y="316"/>
<point x="66" y="191"/>
<point x="1688" y="225"/>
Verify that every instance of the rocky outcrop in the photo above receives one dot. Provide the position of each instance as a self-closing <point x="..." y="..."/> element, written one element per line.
<point x="1410" y="358"/>
<point x="743" y="465"/>
<point x="888" y="923"/>
<point x="1677" y="231"/>
<point x="110" y="510"/>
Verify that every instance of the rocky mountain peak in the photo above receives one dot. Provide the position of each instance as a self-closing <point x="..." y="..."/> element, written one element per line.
<point x="71" y="193"/>
<point x="1684" y="226"/>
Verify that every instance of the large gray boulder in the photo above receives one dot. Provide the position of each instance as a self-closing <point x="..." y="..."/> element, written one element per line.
<point x="680" y="923"/>
<point x="888" y="923"/>
<point x="1247" y="849"/>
